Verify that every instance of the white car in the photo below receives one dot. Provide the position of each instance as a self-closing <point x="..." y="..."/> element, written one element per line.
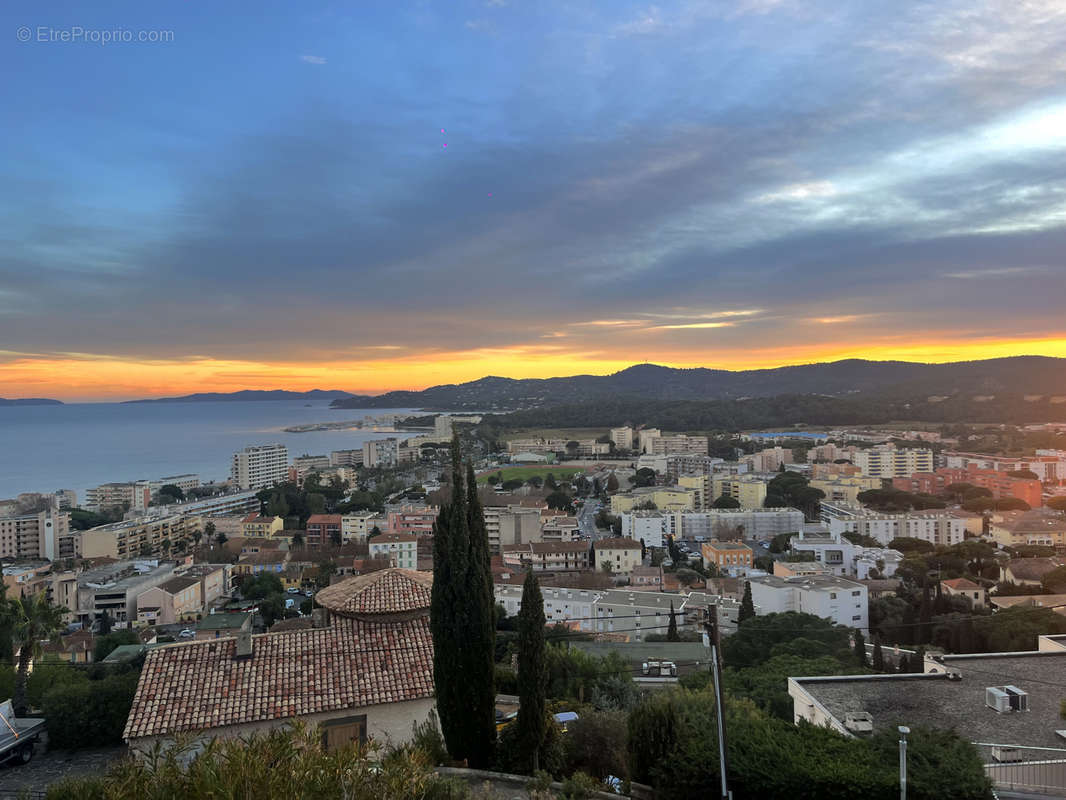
<point x="188" y="633"/>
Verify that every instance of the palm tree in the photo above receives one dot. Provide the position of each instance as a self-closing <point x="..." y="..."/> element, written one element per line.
<point x="34" y="619"/>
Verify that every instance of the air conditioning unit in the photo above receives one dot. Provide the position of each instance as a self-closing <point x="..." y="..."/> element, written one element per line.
<point x="859" y="722"/>
<point x="997" y="699"/>
<point x="1019" y="700"/>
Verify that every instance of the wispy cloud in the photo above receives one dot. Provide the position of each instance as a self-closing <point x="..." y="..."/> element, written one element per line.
<point x="684" y="325"/>
<point x="994" y="272"/>
<point x="313" y="59"/>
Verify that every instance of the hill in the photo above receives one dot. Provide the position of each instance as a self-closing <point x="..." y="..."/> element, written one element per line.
<point x="30" y="401"/>
<point x="888" y="380"/>
<point x="249" y="395"/>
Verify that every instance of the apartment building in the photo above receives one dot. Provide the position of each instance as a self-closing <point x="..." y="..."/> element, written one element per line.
<point x="585" y="448"/>
<point x="845" y="488"/>
<point x="748" y="490"/>
<point x="142" y="537"/>
<point x="678" y="464"/>
<point x="936" y="527"/>
<point x="45" y="535"/>
<point x="1049" y="465"/>
<point x="734" y="558"/>
<point x="260" y="466"/>
<point x="231" y="503"/>
<point x="323" y="530"/>
<point x="215" y="580"/>
<point x="888" y="461"/>
<point x="133" y="496"/>
<point x="752" y="523"/>
<point x="346" y="458"/>
<point x="644" y="437"/>
<point x="620" y="554"/>
<point x="840" y="557"/>
<point x="650" y="527"/>
<point x="770" y="459"/>
<point x="834" y="598"/>
<point x="412" y="519"/>
<point x="175" y="600"/>
<point x="824" y="471"/>
<point x="261" y="526"/>
<point x="675" y="444"/>
<point x="357" y="525"/>
<point x="399" y="549"/>
<point x="622" y="437"/>
<point x="560" y="529"/>
<point x="114" y="588"/>
<point x="548" y="556"/>
<point x="678" y="498"/>
<point x="26" y="580"/>
<point x="381" y="453"/>
<point x="632" y="614"/>
<point x="304" y="464"/>
<point x="830" y="452"/>
<point x="1000" y="483"/>
<point x="184" y="482"/>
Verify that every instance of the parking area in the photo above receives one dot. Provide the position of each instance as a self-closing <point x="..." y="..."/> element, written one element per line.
<point x="47" y="767"/>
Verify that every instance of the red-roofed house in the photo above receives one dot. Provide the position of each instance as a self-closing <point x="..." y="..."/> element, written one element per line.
<point x="367" y="673"/>
<point x="964" y="587"/>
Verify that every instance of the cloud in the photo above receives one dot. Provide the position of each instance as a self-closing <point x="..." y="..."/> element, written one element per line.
<point x="994" y="272"/>
<point x="313" y="59"/>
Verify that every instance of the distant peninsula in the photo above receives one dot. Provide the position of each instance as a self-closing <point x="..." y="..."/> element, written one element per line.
<point x="249" y="395"/>
<point x="30" y="401"/>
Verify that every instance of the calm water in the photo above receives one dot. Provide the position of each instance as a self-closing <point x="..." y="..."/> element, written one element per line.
<point x="76" y="446"/>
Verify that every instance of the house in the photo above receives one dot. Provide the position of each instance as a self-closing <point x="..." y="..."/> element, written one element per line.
<point x="1028" y="571"/>
<point x="224" y="623"/>
<point x="964" y="587"/>
<point x="975" y="695"/>
<point x="399" y="549"/>
<point x="647" y="578"/>
<point x="1056" y="602"/>
<point x="728" y="557"/>
<point x="175" y="600"/>
<point x="267" y="561"/>
<point x="260" y="526"/>
<point x="620" y="554"/>
<point x="365" y="671"/>
<point x="76" y="648"/>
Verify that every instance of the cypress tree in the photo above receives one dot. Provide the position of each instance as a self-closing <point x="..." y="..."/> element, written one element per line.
<point x="480" y="644"/>
<point x="448" y="614"/>
<point x="532" y="673"/>
<point x="747" y="605"/>
<point x="671" y="629"/>
<point x="860" y="648"/>
<point x="879" y="656"/>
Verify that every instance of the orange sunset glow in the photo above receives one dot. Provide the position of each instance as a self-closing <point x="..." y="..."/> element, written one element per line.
<point x="86" y="378"/>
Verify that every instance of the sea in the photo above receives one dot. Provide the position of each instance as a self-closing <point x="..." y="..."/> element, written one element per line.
<point x="80" y="445"/>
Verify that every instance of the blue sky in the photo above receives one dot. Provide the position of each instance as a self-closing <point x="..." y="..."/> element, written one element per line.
<point x="693" y="183"/>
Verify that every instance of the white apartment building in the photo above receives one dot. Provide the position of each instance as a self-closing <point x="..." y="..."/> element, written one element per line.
<point x="936" y="527"/>
<point x="346" y="458"/>
<point x="43" y="535"/>
<point x="770" y="459"/>
<point x="644" y="437"/>
<point x="622" y="437"/>
<point x="650" y="527"/>
<point x="184" y="482"/>
<point x="401" y="549"/>
<point x="675" y="444"/>
<point x="831" y="597"/>
<point x="356" y="526"/>
<point x="560" y="529"/>
<point x="232" y="503"/>
<point x="132" y="495"/>
<point x="634" y="613"/>
<point x="1049" y="465"/>
<point x="260" y="466"/>
<point x="755" y="523"/>
<point x="513" y="524"/>
<point x="891" y="462"/>
<point x="680" y="464"/>
<point x="381" y="453"/>
<point x="840" y="557"/>
<point x="305" y="464"/>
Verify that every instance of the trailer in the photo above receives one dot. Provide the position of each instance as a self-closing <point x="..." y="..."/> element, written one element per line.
<point x="17" y="735"/>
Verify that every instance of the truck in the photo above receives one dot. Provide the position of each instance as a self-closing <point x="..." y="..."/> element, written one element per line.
<point x="17" y="735"/>
<point x="659" y="669"/>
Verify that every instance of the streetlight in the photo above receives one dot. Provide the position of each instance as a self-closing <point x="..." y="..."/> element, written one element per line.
<point x="903" y="731"/>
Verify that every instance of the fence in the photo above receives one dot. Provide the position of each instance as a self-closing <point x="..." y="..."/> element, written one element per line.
<point x="1017" y="768"/>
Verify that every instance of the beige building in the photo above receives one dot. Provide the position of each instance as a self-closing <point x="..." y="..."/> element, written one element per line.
<point x="621" y="555"/>
<point x="675" y="444"/>
<point x="175" y="600"/>
<point x="399" y="549"/>
<point x="259" y="526"/>
<point x="845" y="488"/>
<point x="560" y="529"/>
<point x="622" y="437"/>
<point x="889" y="462"/>
<point x="963" y="587"/>
<point x="665" y="498"/>
<point x="548" y="556"/>
<point x="131" y="496"/>
<point x="747" y="490"/>
<point x="142" y="537"/>
<point x="44" y="535"/>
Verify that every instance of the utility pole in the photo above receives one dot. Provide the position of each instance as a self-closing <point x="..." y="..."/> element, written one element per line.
<point x="903" y="731"/>
<point x="714" y="638"/>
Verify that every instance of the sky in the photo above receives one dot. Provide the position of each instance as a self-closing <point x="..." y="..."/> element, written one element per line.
<point x="380" y="195"/>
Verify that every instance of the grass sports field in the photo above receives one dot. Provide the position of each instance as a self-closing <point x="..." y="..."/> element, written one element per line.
<point x="525" y="473"/>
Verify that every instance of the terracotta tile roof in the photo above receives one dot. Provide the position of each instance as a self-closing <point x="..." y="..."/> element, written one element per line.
<point x="385" y="538"/>
<point x="386" y="591"/>
<point x="202" y="686"/>
<point x="324" y="519"/>
<point x="1032" y="569"/>
<point x="961" y="583"/>
<point x="175" y="585"/>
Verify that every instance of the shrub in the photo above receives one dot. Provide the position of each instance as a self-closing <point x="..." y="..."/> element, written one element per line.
<point x="513" y="758"/>
<point x="580" y="786"/>
<point x="89" y="713"/>
<point x="426" y="736"/>
<point x="596" y="744"/>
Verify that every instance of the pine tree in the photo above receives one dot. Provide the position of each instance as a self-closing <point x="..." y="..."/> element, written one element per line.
<point x="747" y="605"/>
<point x="447" y="617"/>
<point x="879" y="656"/>
<point x="671" y="629"/>
<point x="532" y="673"/>
<point x="480" y="644"/>
<point x="860" y="648"/>
<point x="918" y="661"/>
<point x="925" y="616"/>
<point x="904" y="665"/>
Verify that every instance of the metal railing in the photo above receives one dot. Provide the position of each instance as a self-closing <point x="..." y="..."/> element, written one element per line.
<point x="1021" y="768"/>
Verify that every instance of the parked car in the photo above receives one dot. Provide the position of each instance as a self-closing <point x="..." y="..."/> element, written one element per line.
<point x="292" y="590"/>
<point x="188" y="633"/>
<point x="17" y="735"/>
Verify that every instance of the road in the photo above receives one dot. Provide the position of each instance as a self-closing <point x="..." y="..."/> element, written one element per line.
<point x="586" y="519"/>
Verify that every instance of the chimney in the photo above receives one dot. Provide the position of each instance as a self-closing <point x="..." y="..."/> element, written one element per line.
<point x="244" y="644"/>
<point x="318" y="618"/>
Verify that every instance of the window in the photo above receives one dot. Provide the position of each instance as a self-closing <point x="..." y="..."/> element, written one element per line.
<point x="832" y="595"/>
